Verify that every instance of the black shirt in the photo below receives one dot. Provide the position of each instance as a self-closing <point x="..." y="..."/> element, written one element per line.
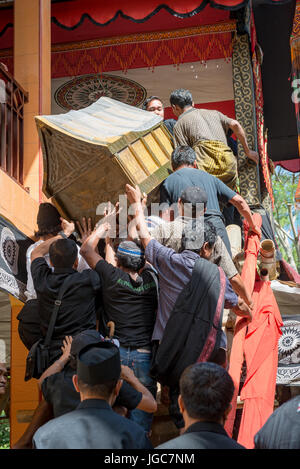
<point x="282" y="429"/>
<point x="58" y="390"/>
<point x="77" y="311"/>
<point x="202" y="435"/>
<point x="173" y="186"/>
<point x="130" y="305"/>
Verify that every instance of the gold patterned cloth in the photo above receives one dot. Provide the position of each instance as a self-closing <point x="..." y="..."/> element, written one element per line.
<point x="217" y="159"/>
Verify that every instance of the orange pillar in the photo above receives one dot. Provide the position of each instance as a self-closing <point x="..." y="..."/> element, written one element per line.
<point x="24" y="396"/>
<point x="32" y="69"/>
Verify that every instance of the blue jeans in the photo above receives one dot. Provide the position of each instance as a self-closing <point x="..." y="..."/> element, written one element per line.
<point x="140" y="363"/>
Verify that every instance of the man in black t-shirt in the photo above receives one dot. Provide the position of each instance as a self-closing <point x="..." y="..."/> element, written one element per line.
<point x="61" y="397"/>
<point x="130" y="301"/>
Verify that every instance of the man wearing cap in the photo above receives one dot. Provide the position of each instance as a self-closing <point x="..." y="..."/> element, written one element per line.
<point x="282" y="429"/>
<point x="155" y="105"/>
<point x="58" y="390"/>
<point x="191" y="205"/>
<point x="49" y="224"/>
<point x="77" y="311"/>
<point x="180" y="342"/>
<point x="60" y="396"/>
<point x="130" y="300"/>
<point x="175" y="269"/>
<point x="94" y="425"/>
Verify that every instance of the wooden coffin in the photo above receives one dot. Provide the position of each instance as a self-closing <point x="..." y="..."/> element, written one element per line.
<point x="89" y="155"/>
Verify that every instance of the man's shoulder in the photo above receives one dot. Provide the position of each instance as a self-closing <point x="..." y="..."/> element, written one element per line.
<point x="56" y="425"/>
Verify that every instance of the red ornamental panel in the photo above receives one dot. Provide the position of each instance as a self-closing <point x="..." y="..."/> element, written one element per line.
<point x="259" y="109"/>
<point x="135" y="10"/>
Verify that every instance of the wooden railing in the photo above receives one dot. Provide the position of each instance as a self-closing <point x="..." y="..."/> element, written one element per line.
<point x="12" y="100"/>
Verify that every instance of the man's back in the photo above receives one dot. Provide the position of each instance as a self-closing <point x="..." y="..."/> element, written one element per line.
<point x="93" y="425"/>
<point x="78" y="308"/>
<point x="172" y="187"/>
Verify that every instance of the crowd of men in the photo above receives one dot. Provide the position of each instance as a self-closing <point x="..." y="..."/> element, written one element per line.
<point x="142" y="309"/>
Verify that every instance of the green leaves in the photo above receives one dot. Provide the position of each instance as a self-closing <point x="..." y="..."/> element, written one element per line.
<point x="4" y="434"/>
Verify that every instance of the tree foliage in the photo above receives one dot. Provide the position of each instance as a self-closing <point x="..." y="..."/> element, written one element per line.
<point x="286" y="217"/>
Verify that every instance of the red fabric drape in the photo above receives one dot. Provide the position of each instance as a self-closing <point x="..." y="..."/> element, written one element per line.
<point x="257" y="342"/>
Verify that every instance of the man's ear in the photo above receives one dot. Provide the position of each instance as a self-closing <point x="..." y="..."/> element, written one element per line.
<point x="193" y="104"/>
<point x="195" y="165"/>
<point x="227" y="412"/>
<point x="180" y="207"/>
<point x="75" y="382"/>
<point x="181" y="404"/>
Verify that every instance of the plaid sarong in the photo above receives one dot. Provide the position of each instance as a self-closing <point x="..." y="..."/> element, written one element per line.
<point x="217" y="159"/>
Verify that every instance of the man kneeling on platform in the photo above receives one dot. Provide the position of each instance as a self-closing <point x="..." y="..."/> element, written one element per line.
<point x="94" y="425"/>
<point x="205" y="131"/>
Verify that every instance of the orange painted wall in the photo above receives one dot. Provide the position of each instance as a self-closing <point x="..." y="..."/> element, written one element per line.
<point x="24" y="396"/>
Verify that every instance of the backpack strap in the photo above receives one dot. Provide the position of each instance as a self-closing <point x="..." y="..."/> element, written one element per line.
<point x="57" y="304"/>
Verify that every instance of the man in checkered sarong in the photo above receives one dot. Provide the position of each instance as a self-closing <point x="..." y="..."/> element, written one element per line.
<point x="205" y="131"/>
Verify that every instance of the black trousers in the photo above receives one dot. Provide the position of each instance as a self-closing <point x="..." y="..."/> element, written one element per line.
<point x="220" y="358"/>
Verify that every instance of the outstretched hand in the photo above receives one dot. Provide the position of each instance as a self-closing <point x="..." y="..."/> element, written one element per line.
<point x="255" y="229"/>
<point x="253" y="155"/>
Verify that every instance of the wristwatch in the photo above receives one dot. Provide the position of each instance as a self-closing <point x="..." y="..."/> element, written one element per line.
<point x="63" y="235"/>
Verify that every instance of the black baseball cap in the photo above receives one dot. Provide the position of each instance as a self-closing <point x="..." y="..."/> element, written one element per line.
<point x="194" y="195"/>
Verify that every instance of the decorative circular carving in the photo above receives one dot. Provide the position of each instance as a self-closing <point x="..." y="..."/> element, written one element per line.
<point x="84" y="90"/>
